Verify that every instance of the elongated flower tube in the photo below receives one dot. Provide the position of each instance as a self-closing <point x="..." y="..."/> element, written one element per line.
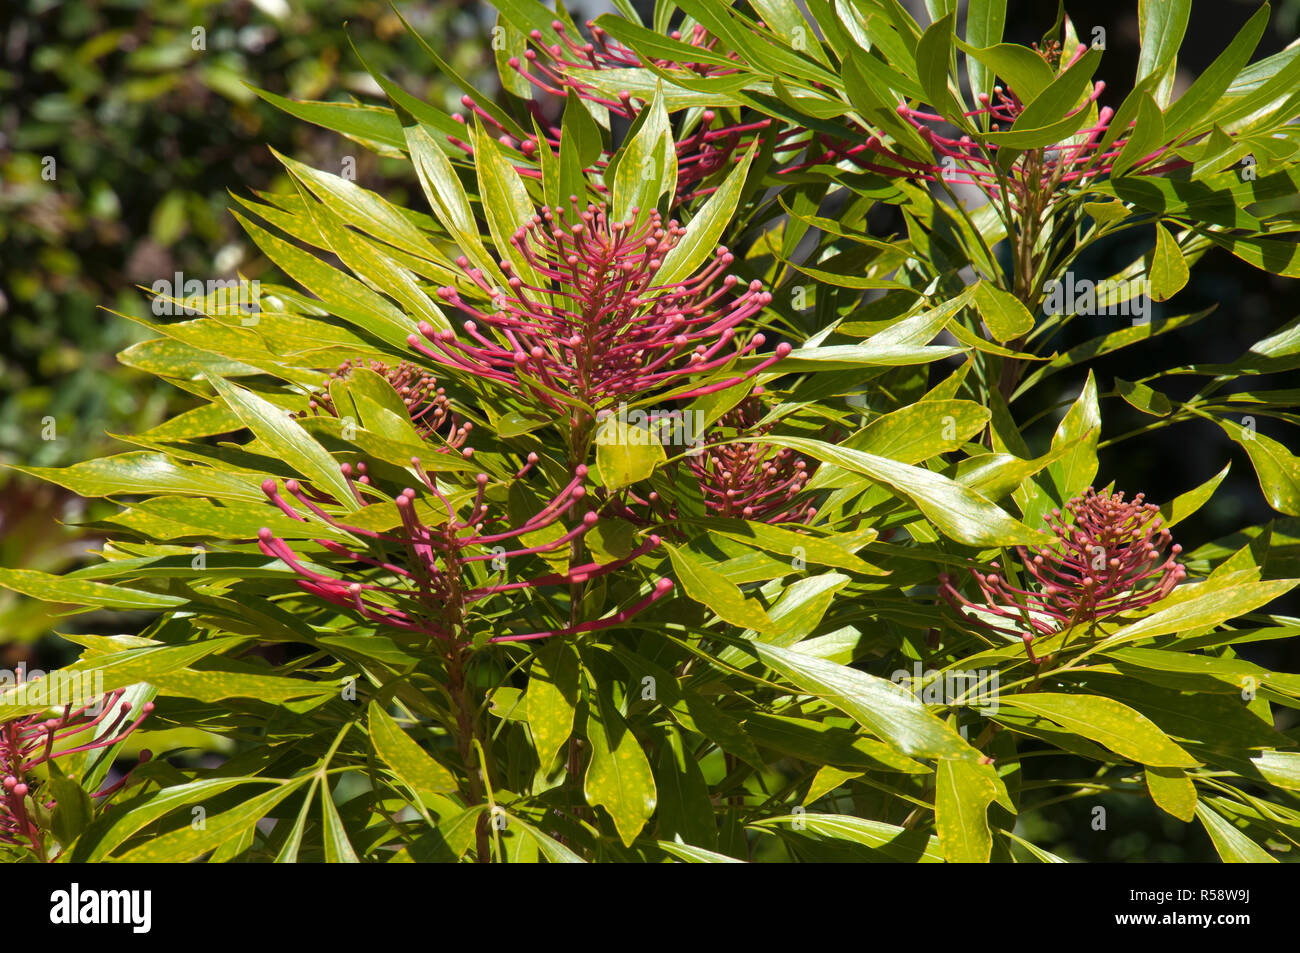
<point x="601" y="329"/>
<point x="1111" y="556"/>
<point x="31" y="741"/>
<point x="415" y="579"/>
<point x="425" y="401"/>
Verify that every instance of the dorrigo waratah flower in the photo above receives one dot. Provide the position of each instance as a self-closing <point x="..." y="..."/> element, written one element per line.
<point x="428" y="592"/>
<point x="1030" y="181"/>
<point x="426" y="402"/>
<point x="569" y="66"/>
<point x="752" y="481"/>
<point x="1112" y="556"/>
<point x="31" y="741"/>
<point x="601" y="330"/>
<point x="741" y="480"/>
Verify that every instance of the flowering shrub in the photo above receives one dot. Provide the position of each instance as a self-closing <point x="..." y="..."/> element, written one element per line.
<point x="628" y="496"/>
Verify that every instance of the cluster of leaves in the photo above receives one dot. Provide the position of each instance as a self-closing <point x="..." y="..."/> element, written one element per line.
<point x="395" y="687"/>
<point x="123" y="128"/>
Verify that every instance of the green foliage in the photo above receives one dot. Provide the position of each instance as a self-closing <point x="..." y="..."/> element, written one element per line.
<point x="800" y="691"/>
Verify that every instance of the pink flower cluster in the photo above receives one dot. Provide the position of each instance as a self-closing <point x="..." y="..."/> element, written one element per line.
<point x="567" y="66"/>
<point x="29" y="742"/>
<point x="753" y="481"/>
<point x="1112" y="557"/>
<point x="601" y="329"/>
<point x="739" y="479"/>
<point x="432" y="595"/>
<point x="1034" y="174"/>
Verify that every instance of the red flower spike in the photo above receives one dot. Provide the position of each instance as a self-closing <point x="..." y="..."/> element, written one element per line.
<point x="601" y="329"/>
<point x="1110" y="558"/>
<point x="432" y="596"/>
<point x="28" y="742"/>
<point x="752" y="481"/>
<point x="1035" y="173"/>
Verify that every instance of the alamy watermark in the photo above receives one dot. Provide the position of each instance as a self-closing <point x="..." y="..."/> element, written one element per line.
<point x="180" y="295"/>
<point x="977" y="688"/>
<point x="1110" y="296"/>
<point x="668" y="428"/>
<point x="58" y="689"/>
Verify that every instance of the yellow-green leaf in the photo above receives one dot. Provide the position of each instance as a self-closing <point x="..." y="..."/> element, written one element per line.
<point x="1118" y="727"/>
<point x="1173" y="792"/>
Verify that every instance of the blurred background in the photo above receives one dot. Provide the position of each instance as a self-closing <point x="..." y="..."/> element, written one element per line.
<point x="125" y="124"/>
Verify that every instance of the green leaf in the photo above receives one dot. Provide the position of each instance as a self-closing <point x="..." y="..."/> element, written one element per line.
<point x="695" y="247"/>
<point x="1276" y="467"/>
<point x="505" y="201"/>
<point x="580" y="148"/>
<point x="212" y="686"/>
<point x="120" y="669"/>
<point x="696" y="855"/>
<point x="448" y="200"/>
<point x="1023" y="70"/>
<point x="774" y="539"/>
<point x="73" y="809"/>
<point x="338" y="849"/>
<point x="551" y="699"/>
<point x="1268" y="254"/>
<point x="79" y="592"/>
<point x="1147" y="136"/>
<point x="704" y="584"/>
<point x="894" y="843"/>
<point x="890" y="712"/>
<point x="1168" y="272"/>
<point x="933" y="59"/>
<point x="685" y="811"/>
<point x="130" y="473"/>
<point x="412" y="765"/>
<point x="1118" y="727"/>
<point x="365" y="124"/>
<point x="1185" y="504"/>
<point x="1046" y="120"/>
<point x="115" y="828"/>
<point x="1163" y="24"/>
<point x="963" y="791"/>
<point x="619" y="777"/>
<point x="1005" y="316"/>
<point x="1208" y="88"/>
<point x="955" y="510"/>
<point x="1077" y="436"/>
<point x="1173" y="791"/>
<point x="1232" y="845"/>
<point x="1202" y="605"/>
<point x="1144" y="398"/>
<point x="985" y="20"/>
<point x="190" y="843"/>
<point x="284" y="435"/>
<point x="625" y="452"/>
<point x="647" y="164"/>
<point x="551" y="849"/>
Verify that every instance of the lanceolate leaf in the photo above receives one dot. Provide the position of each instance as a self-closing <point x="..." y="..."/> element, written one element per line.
<point x="963" y="791"/>
<point x="1121" y="729"/>
<point x="885" y="709"/>
<point x="955" y="510"/>
<point x="619" y="777"/>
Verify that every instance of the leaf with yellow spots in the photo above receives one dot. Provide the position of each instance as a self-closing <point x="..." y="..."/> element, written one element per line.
<point x="619" y="778"/>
